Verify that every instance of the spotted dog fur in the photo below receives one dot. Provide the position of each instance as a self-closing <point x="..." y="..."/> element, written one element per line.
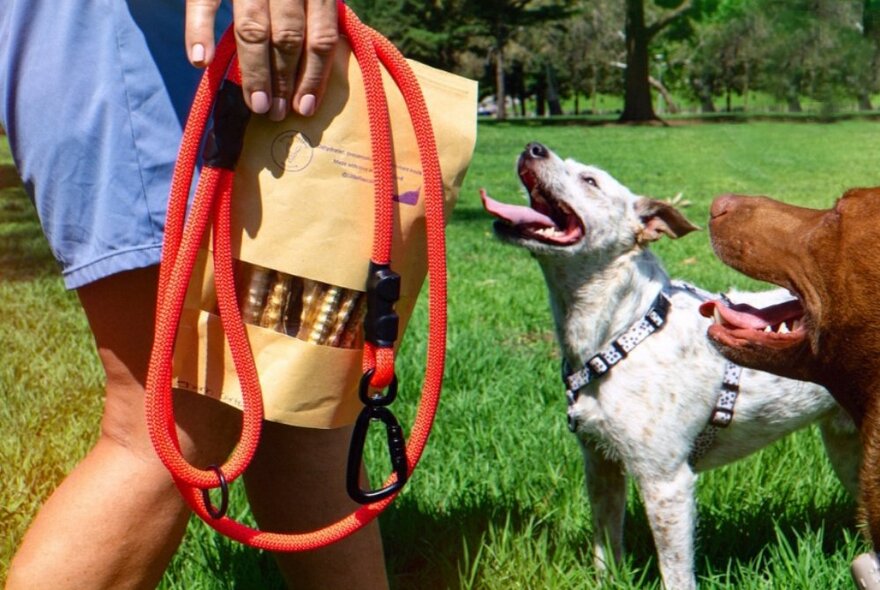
<point x="590" y="236"/>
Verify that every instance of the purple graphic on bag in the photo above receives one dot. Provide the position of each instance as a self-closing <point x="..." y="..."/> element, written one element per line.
<point x="409" y="197"/>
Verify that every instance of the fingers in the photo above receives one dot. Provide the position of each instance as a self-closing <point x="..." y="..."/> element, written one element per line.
<point x="322" y="36"/>
<point x="199" y="31"/>
<point x="288" y="36"/>
<point x="285" y="50"/>
<point x="253" y="37"/>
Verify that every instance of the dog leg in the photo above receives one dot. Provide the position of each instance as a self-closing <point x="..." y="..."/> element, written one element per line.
<point x="866" y="567"/>
<point x="844" y="449"/>
<point x="671" y="509"/>
<point x="870" y="471"/>
<point x="606" y="489"/>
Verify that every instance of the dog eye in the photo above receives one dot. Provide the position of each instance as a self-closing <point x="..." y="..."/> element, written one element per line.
<point x="590" y="180"/>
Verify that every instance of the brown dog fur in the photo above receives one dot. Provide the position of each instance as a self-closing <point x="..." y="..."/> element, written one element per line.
<point x="830" y="259"/>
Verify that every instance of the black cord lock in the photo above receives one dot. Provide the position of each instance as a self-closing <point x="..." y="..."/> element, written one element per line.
<point x="383" y="291"/>
<point x="376" y="409"/>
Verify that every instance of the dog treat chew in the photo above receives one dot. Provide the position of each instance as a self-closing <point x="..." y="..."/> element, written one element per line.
<point x="348" y="320"/>
<point x="293" y="309"/>
<point x="276" y="301"/>
<point x="257" y="281"/>
<point x="326" y="306"/>
<point x="309" y="310"/>
<point x="311" y="298"/>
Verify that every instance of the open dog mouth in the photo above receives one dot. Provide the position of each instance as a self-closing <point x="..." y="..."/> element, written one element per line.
<point x="545" y="220"/>
<point x="778" y="326"/>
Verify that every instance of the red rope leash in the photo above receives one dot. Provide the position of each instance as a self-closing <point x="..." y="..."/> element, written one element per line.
<point x="212" y="207"/>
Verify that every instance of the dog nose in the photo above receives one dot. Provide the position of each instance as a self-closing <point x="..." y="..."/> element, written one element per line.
<point x="536" y="150"/>
<point x="722" y="204"/>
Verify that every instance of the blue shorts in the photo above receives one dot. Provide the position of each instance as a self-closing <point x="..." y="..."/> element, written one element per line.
<point x="93" y="97"/>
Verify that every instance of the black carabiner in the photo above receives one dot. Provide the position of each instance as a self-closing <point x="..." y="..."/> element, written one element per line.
<point x="376" y="408"/>
<point x="217" y="513"/>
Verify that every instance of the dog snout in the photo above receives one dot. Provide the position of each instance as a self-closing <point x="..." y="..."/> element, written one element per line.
<point x="536" y="150"/>
<point x="723" y="204"/>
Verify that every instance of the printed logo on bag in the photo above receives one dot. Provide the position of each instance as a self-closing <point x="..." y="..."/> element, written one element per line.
<point x="292" y="151"/>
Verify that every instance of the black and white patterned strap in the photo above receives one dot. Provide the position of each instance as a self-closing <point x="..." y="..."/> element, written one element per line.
<point x="601" y="363"/>
<point x="722" y="415"/>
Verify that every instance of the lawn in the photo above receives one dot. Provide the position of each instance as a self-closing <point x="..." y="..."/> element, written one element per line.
<point x="498" y="500"/>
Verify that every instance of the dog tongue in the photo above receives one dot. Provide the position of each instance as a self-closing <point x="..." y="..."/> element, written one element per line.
<point x="743" y="315"/>
<point x="515" y="214"/>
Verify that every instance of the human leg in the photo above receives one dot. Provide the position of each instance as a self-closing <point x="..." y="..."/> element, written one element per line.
<point x="117" y="519"/>
<point x="296" y="483"/>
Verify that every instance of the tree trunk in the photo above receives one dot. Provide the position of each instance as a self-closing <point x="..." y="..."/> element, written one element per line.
<point x="637" y="98"/>
<point x="552" y="93"/>
<point x="793" y="99"/>
<point x="500" y="96"/>
<point x="671" y="107"/>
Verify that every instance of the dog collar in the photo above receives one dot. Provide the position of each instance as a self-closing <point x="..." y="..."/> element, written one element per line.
<point x="601" y="363"/>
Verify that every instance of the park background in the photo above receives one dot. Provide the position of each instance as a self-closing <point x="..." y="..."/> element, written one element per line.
<point x="498" y="500"/>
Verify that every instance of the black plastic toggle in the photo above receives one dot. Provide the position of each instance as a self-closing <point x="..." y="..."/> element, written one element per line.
<point x="383" y="291"/>
<point x="224" y="141"/>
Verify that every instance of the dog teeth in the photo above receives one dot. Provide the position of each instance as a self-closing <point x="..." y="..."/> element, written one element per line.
<point x="783" y="328"/>
<point x="768" y="330"/>
<point x="549" y="232"/>
<point x="718" y="318"/>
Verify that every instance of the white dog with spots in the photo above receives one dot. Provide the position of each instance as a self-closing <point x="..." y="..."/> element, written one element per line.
<point x="641" y="404"/>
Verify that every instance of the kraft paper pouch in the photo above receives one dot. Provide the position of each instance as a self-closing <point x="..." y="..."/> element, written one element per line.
<point x="302" y="236"/>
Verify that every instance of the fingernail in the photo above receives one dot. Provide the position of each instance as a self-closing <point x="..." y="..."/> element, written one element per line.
<point x="307" y="105"/>
<point x="279" y="109"/>
<point x="260" y="102"/>
<point x="197" y="53"/>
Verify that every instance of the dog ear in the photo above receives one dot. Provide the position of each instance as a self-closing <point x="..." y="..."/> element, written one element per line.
<point x="659" y="218"/>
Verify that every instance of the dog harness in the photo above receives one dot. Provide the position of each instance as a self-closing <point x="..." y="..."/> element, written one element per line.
<point x="600" y="364"/>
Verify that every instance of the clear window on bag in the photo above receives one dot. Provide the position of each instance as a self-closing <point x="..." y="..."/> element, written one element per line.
<point x="309" y="310"/>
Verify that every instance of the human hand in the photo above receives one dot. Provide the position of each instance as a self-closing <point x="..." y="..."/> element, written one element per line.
<point x="285" y="49"/>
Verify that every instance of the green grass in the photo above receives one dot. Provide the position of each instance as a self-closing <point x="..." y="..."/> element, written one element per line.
<point x="498" y="500"/>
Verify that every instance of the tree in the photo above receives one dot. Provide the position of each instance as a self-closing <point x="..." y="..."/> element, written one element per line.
<point x="434" y="33"/>
<point x="499" y="20"/>
<point x="591" y="49"/>
<point x="637" y="104"/>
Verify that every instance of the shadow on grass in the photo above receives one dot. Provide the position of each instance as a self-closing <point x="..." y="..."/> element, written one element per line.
<point x="726" y="538"/>
<point x="432" y="551"/>
<point x="24" y="252"/>
<point x="435" y="550"/>
<point x="427" y="551"/>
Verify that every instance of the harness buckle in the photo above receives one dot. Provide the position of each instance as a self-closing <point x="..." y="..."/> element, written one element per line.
<point x="721" y="417"/>
<point x="655" y="318"/>
<point x="598" y="365"/>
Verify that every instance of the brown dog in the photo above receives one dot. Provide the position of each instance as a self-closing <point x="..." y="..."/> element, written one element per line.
<point x="830" y="262"/>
